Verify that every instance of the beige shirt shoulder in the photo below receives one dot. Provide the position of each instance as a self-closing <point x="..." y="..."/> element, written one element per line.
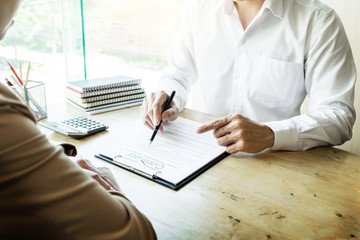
<point x="43" y="195"/>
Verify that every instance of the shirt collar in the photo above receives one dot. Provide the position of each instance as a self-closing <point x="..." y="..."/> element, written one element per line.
<point x="275" y="6"/>
<point x="228" y="7"/>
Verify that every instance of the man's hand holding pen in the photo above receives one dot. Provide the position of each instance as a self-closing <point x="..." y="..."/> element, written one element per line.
<point x="152" y="110"/>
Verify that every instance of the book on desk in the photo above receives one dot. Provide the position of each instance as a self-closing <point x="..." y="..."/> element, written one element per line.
<point x="105" y="94"/>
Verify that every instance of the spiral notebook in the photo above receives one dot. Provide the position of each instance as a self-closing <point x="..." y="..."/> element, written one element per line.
<point x="104" y="92"/>
<point x="103" y="83"/>
<point x="126" y="98"/>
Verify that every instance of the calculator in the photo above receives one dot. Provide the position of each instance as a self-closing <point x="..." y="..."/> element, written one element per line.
<point x="78" y="127"/>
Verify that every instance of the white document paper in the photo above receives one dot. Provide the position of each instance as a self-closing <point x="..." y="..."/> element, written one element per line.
<point x="174" y="154"/>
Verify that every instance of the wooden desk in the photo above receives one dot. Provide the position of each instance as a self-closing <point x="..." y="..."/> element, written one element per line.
<point x="278" y="195"/>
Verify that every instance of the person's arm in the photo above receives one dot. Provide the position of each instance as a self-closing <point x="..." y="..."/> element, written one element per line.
<point x="46" y="195"/>
<point x="330" y="77"/>
<point x="181" y="71"/>
<point x="178" y="76"/>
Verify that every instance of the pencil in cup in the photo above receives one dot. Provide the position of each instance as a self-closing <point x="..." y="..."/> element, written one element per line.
<point x="33" y="95"/>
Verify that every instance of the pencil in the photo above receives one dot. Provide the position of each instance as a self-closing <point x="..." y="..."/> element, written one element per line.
<point x="20" y="70"/>
<point x="13" y="70"/>
<point x="27" y="74"/>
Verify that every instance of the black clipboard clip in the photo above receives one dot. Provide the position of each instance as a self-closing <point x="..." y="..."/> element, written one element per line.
<point x="141" y="168"/>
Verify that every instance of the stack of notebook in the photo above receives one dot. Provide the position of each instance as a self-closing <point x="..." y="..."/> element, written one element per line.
<point x="105" y="94"/>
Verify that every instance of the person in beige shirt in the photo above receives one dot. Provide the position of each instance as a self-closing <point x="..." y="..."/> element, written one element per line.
<point x="45" y="195"/>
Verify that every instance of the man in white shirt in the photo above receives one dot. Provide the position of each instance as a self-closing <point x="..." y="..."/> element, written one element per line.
<point x="258" y="59"/>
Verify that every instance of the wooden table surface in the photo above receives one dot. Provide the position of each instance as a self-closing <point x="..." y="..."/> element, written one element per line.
<point x="275" y="195"/>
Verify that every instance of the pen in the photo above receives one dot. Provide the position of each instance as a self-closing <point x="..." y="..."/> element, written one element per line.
<point x="13" y="70"/>
<point x="167" y="105"/>
<point x="13" y="88"/>
<point x="8" y="82"/>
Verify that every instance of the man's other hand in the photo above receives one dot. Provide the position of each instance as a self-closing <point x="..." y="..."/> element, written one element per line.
<point x="240" y="134"/>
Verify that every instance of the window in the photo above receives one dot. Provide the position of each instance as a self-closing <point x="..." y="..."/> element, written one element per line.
<point x="37" y="37"/>
<point x="122" y="37"/>
<point x="130" y="37"/>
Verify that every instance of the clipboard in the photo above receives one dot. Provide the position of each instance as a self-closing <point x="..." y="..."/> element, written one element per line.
<point x="151" y="173"/>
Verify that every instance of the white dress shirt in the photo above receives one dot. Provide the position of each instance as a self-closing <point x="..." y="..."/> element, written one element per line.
<point x="291" y="49"/>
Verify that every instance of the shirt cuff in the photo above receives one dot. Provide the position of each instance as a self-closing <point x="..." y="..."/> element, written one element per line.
<point x="285" y="137"/>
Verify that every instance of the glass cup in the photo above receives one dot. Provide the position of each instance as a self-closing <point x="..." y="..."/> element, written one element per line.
<point x="33" y="95"/>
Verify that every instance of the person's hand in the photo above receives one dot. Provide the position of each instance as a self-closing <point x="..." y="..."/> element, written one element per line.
<point x="69" y="149"/>
<point x="89" y="169"/>
<point x="152" y="107"/>
<point x="238" y="133"/>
